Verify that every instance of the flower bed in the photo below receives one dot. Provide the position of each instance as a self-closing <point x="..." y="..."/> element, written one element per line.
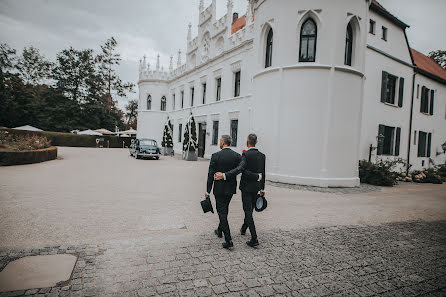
<point x="10" y="157"/>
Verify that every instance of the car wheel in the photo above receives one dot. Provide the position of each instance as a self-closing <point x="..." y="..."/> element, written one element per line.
<point x="157" y="158"/>
<point x="136" y="156"/>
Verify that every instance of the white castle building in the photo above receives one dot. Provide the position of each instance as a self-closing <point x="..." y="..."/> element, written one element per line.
<point x="316" y="80"/>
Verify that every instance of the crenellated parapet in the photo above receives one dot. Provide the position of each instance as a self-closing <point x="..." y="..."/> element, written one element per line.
<point x="215" y="38"/>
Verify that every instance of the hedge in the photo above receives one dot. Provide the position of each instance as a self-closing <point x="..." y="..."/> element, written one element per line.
<point x="27" y="157"/>
<point x="69" y="139"/>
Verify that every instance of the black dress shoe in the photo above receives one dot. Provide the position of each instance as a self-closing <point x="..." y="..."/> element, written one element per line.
<point x="253" y="243"/>
<point x="227" y="245"/>
<point x="242" y="231"/>
<point x="218" y="233"/>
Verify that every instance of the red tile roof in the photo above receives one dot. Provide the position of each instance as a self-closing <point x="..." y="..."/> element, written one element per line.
<point x="239" y="24"/>
<point x="428" y="65"/>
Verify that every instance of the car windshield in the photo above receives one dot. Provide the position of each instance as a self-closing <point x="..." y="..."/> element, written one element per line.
<point x="148" y="142"/>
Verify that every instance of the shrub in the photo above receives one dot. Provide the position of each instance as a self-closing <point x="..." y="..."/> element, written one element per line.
<point x="441" y="171"/>
<point x="18" y="142"/>
<point x="74" y="140"/>
<point x="380" y="173"/>
<point x="430" y="175"/>
<point x="27" y="157"/>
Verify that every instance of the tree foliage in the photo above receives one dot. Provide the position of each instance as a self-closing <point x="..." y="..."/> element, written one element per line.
<point x="75" y="92"/>
<point x="167" y="135"/>
<point x="439" y="56"/>
<point x="132" y="113"/>
<point x="33" y="67"/>
<point x="190" y="137"/>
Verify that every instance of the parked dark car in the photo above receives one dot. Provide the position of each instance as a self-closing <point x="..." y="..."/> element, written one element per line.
<point x="145" y="148"/>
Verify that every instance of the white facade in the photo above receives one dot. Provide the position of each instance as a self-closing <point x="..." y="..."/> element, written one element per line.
<point x="314" y="119"/>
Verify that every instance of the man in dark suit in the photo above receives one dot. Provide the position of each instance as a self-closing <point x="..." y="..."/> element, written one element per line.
<point x="224" y="160"/>
<point x="252" y="183"/>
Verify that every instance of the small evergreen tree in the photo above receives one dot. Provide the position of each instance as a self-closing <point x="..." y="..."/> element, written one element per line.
<point x="192" y="135"/>
<point x="167" y="136"/>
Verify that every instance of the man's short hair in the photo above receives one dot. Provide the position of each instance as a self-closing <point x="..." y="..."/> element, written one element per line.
<point x="226" y="139"/>
<point x="252" y="139"/>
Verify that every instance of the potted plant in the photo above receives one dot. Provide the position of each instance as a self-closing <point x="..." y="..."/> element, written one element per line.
<point x="190" y="141"/>
<point x="167" y="142"/>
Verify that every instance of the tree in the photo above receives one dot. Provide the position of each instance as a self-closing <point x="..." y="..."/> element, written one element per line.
<point x="75" y="74"/>
<point x="132" y="113"/>
<point x="439" y="56"/>
<point x="190" y="137"/>
<point x="108" y="59"/>
<point x="167" y="136"/>
<point x="33" y="67"/>
<point x="7" y="58"/>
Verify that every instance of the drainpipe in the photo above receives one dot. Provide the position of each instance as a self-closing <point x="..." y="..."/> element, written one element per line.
<point x="410" y="123"/>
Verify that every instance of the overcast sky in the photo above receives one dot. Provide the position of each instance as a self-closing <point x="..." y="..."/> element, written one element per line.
<point x="160" y="26"/>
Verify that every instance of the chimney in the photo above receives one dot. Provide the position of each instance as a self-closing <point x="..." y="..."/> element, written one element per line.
<point x="234" y="17"/>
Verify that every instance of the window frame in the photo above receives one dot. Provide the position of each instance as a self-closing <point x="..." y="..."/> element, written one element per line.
<point x="394" y="141"/>
<point x="427" y="96"/>
<point x="269" y="48"/>
<point x="173" y="101"/>
<point x="204" y="86"/>
<point x="182" y="98"/>
<point x="149" y="102"/>
<point x="215" y="127"/>
<point x="192" y="96"/>
<point x="163" y="106"/>
<point x="424" y="144"/>
<point x="348" y="57"/>
<point x="391" y="93"/>
<point x="372" y="26"/>
<point x="384" y="33"/>
<point x="218" y="88"/>
<point x="307" y="37"/>
<point x="234" y="137"/>
<point x="237" y="83"/>
<point x="180" y="132"/>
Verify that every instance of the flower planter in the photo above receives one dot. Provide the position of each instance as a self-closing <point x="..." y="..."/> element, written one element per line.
<point x="190" y="156"/>
<point x="8" y="158"/>
<point x="168" y="151"/>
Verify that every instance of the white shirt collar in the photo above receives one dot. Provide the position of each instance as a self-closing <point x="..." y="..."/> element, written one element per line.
<point x="252" y="148"/>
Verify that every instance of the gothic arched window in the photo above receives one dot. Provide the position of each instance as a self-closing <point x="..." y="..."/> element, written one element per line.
<point x="269" y="49"/>
<point x="149" y="102"/>
<point x="308" y="36"/>
<point x="163" y="103"/>
<point x="348" y="45"/>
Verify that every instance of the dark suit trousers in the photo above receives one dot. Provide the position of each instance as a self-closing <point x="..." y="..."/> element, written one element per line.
<point x="249" y="200"/>
<point x="222" y="205"/>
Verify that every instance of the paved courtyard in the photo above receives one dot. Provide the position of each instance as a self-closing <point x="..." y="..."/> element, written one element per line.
<point x="138" y="230"/>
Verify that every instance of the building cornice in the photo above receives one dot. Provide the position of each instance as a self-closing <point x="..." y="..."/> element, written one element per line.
<point x="222" y="55"/>
<point x="389" y="56"/>
<point x="430" y="75"/>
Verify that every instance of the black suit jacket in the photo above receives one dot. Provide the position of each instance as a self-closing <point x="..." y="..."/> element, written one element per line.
<point x="222" y="161"/>
<point x="253" y="162"/>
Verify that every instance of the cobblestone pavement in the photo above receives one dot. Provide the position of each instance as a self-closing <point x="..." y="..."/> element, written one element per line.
<point x="363" y="188"/>
<point x="396" y="259"/>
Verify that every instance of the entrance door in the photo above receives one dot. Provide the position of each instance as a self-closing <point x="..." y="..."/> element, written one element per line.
<point x="201" y="139"/>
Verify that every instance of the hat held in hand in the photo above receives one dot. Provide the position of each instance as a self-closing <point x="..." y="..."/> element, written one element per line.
<point x="206" y="205"/>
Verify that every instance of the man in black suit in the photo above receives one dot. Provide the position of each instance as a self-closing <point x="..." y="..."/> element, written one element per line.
<point x="224" y="160"/>
<point x="252" y="183"/>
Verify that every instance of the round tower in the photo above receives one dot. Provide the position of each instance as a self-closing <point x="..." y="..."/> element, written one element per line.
<point x="153" y="100"/>
<point x="308" y="88"/>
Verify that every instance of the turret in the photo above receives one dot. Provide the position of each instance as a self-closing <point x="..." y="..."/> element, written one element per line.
<point x="308" y="82"/>
<point x="189" y="33"/>
<point x="229" y="16"/>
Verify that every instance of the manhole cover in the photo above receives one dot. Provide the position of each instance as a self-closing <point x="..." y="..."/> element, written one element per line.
<point x="36" y="272"/>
